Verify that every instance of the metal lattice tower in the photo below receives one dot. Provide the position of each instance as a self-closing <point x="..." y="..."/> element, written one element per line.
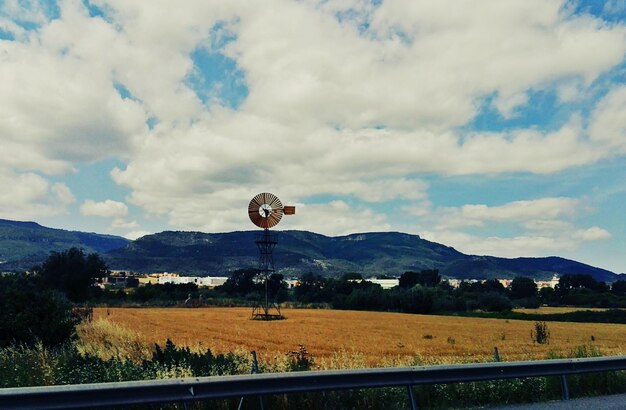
<point x="265" y="211"/>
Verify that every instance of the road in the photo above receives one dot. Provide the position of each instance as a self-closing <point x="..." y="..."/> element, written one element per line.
<point x="614" y="402"/>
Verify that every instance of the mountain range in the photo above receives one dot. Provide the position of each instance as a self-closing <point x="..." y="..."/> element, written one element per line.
<point x="24" y="244"/>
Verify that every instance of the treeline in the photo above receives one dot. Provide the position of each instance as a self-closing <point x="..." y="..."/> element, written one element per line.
<point x="38" y="306"/>
<point x="426" y="292"/>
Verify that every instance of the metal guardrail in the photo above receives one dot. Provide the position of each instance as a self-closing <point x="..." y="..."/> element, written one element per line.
<point x="220" y="387"/>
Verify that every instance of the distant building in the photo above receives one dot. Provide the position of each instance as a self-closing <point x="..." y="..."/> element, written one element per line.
<point x="547" y="283"/>
<point x="205" y="281"/>
<point x="505" y="282"/>
<point x="385" y="283"/>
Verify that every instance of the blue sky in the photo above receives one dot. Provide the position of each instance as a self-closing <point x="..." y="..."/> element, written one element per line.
<point x="495" y="127"/>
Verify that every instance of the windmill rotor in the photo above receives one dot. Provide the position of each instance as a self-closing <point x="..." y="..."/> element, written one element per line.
<point x="266" y="210"/>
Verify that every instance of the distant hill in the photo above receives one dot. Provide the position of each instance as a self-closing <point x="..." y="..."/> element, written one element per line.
<point x="25" y="244"/>
<point x="390" y="253"/>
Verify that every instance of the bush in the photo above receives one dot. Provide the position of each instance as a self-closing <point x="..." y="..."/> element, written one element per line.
<point x="31" y="315"/>
<point x="528" y="303"/>
<point x="494" y="302"/>
<point x="541" y="334"/>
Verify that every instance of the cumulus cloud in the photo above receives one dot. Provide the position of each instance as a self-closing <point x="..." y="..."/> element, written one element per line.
<point x="546" y="226"/>
<point x="608" y="121"/>
<point x="30" y="196"/>
<point x="337" y="218"/>
<point x="344" y="101"/>
<point x="106" y="209"/>
<point x="536" y="213"/>
<point x="136" y="234"/>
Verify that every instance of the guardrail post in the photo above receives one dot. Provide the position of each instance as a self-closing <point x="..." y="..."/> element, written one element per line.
<point x="564" y="387"/>
<point x="412" y="404"/>
<point x="254" y="369"/>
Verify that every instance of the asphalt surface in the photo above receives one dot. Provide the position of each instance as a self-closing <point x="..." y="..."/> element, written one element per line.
<point x="614" y="402"/>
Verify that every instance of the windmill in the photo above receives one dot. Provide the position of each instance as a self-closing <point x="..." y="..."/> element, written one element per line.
<point x="265" y="211"/>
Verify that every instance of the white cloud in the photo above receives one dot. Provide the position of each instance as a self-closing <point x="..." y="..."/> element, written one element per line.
<point x="30" y="196"/>
<point x="507" y="104"/>
<point x="136" y="234"/>
<point x="120" y="223"/>
<point x="608" y="121"/>
<point x="336" y="218"/>
<point x="106" y="209"/>
<point x="503" y="247"/>
<point x="540" y="227"/>
<point x="592" y="234"/>
<point x="333" y="109"/>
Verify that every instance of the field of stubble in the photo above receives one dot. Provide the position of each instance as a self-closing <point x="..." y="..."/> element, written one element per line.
<point x="362" y="338"/>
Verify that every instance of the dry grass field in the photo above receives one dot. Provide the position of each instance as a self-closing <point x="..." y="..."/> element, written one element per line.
<point x="547" y="310"/>
<point x="353" y="338"/>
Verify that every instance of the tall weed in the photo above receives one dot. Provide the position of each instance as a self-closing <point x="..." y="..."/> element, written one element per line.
<point x="106" y="340"/>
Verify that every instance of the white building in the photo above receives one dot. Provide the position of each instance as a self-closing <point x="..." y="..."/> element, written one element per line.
<point x="385" y="283"/>
<point x="207" y="281"/>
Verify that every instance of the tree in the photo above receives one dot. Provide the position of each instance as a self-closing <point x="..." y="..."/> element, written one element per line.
<point x="427" y="278"/>
<point x="71" y="272"/>
<point x="492" y="285"/>
<point x="569" y="283"/>
<point x="31" y="315"/>
<point x="522" y="287"/>
<point x="619" y="288"/>
<point x="311" y="288"/>
<point x="241" y="282"/>
<point x="276" y="286"/>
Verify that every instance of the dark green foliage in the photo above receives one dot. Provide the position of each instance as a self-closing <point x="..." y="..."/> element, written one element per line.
<point x="21" y="365"/>
<point x="24" y="244"/>
<point x="351" y="276"/>
<point x="241" y="282"/>
<point x="300" y="360"/>
<point x="277" y="287"/>
<point x="32" y="366"/>
<point x="492" y="285"/>
<point x="523" y="288"/>
<point x="312" y="288"/>
<point x="164" y="292"/>
<point x="428" y="278"/>
<point x="71" y="272"/>
<point x="494" y="302"/>
<point x="200" y="364"/>
<point x="540" y="334"/>
<point x="619" y="288"/>
<point x="77" y="369"/>
<point x="569" y="283"/>
<point x="29" y="314"/>
<point x="297" y="251"/>
<point x="528" y="303"/>
<point x="414" y="300"/>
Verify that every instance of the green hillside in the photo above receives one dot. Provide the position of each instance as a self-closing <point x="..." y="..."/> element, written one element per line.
<point x="24" y="244"/>
<point x="389" y="253"/>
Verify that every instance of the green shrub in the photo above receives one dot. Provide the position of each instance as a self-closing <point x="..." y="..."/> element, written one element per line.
<point x="31" y="315"/>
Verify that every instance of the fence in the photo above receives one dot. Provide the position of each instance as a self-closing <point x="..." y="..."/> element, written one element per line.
<point x="220" y="387"/>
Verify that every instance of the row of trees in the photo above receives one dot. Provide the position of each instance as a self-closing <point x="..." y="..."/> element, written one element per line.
<point x="425" y="292"/>
<point x="38" y="305"/>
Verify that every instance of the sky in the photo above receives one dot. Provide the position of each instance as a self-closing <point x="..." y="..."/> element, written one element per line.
<point x="496" y="127"/>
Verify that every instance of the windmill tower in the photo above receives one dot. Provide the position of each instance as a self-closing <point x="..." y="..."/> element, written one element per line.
<point x="265" y="211"/>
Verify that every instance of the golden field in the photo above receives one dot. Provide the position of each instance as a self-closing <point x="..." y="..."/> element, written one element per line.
<point x="547" y="310"/>
<point x="363" y="338"/>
